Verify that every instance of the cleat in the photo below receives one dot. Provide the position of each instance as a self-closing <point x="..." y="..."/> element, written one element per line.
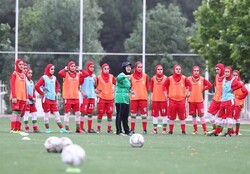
<point x="14" y="131"/>
<point x="170" y="133"/>
<point x="183" y="133"/>
<point x="28" y="131"/>
<point x="164" y="132"/>
<point x="205" y="132"/>
<point x="131" y="133"/>
<point x="62" y="130"/>
<point x="154" y="132"/>
<point x="145" y="132"/>
<point x="122" y="134"/>
<point x="226" y="135"/>
<point x="110" y="132"/>
<point x="195" y="132"/>
<point x="212" y="134"/>
<point x="36" y="131"/>
<point x="91" y="131"/>
<point x="80" y="131"/>
<point x="48" y="131"/>
<point x="98" y="131"/>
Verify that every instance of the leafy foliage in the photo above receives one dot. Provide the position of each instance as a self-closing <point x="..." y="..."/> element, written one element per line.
<point x="166" y="33"/>
<point x="53" y="25"/>
<point x="224" y="34"/>
<point x="119" y="18"/>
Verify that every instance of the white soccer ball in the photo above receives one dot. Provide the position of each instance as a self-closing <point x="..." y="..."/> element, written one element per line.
<point x="73" y="155"/>
<point x="66" y="142"/>
<point x="136" y="140"/>
<point x="53" y="144"/>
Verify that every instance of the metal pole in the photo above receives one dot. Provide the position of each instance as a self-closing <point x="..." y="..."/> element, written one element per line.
<point x="144" y="35"/>
<point x="16" y="30"/>
<point x="206" y="92"/>
<point x="81" y="34"/>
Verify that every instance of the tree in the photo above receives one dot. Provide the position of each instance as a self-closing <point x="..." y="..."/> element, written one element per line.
<point x="224" y="33"/>
<point x="5" y="59"/>
<point x="5" y="46"/>
<point x="4" y="36"/>
<point x="187" y="8"/>
<point x="53" y="25"/>
<point x="8" y="14"/>
<point x="166" y="33"/>
<point x="119" y="19"/>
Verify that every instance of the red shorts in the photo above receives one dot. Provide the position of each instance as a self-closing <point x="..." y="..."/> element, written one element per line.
<point x="49" y="106"/>
<point x="237" y="111"/>
<point x="31" y="108"/>
<point x="105" y="106"/>
<point x="71" y="104"/>
<point x="177" y="107"/>
<point x="159" y="108"/>
<point x="196" y="108"/>
<point x="18" y="106"/>
<point x="214" y="107"/>
<point x="136" y="105"/>
<point x="226" y="109"/>
<point x="87" y="106"/>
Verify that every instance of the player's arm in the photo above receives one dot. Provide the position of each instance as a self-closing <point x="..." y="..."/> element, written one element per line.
<point x="165" y="87"/>
<point x="62" y="72"/>
<point x="57" y="86"/>
<point x="114" y="83"/>
<point x="152" y="84"/>
<point x="147" y="83"/>
<point x="188" y="86"/>
<point x="38" y="86"/>
<point x="236" y="85"/>
<point x="12" y="85"/>
<point x="244" y="91"/>
<point x="207" y="85"/>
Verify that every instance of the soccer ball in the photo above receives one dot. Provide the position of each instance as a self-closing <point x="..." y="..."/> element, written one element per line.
<point x="73" y="155"/>
<point x="136" y="140"/>
<point x="66" y="142"/>
<point x="53" y="144"/>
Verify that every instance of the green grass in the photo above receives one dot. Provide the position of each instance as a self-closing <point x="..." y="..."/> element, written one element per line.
<point x="111" y="154"/>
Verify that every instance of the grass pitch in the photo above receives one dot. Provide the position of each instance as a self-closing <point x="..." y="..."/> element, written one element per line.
<point x="111" y="154"/>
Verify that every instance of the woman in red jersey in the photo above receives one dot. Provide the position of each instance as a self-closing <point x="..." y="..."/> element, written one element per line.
<point x="159" y="100"/>
<point x="105" y="90"/>
<point x="139" y="97"/>
<point x="179" y="88"/>
<point x="195" y="100"/>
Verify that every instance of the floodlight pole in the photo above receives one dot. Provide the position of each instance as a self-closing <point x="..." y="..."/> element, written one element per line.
<point x="144" y="35"/>
<point x="16" y="30"/>
<point x="81" y="34"/>
<point x="206" y="92"/>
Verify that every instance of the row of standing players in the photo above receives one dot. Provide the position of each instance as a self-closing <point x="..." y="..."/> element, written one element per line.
<point x="129" y="92"/>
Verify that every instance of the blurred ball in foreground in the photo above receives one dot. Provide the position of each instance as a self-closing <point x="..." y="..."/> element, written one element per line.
<point x="53" y="144"/>
<point x="73" y="155"/>
<point x="136" y="140"/>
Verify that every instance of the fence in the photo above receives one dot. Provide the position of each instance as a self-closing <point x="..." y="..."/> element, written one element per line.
<point x="3" y="90"/>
